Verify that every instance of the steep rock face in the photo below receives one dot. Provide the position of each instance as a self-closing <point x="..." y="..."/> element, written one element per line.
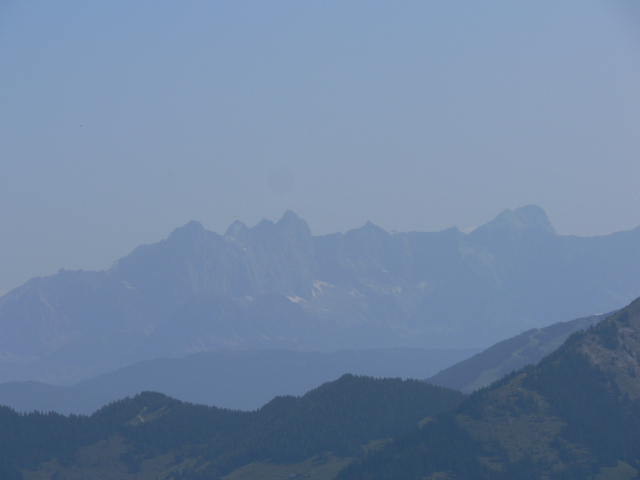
<point x="269" y="258"/>
<point x="280" y="256"/>
<point x="189" y="261"/>
<point x="46" y="314"/>
<point x="366" y="288"/>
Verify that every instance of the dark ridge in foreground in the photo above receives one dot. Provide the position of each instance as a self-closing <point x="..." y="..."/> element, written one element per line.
<point x="151" y="434"/>
<point x="575" y="415"/>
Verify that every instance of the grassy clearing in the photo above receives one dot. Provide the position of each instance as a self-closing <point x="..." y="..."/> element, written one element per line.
<point x="622" y="471"/>
<point x="103" y="461"/>
<point x="321" y="467"/>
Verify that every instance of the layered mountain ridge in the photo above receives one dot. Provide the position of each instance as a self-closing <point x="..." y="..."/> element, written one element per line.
<point x="574" y="415"/>
<point x="528" y="348"/>
<point x="276" y="285"/>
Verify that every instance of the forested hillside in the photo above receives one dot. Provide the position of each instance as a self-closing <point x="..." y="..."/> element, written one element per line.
<point x="575" y="415"/>
<point x="153" y="435"/>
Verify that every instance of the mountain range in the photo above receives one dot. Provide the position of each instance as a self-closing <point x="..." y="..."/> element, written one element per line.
<point x="277" y="286"/>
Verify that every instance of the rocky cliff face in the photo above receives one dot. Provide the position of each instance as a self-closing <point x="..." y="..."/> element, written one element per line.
<point x="278" y="286"/>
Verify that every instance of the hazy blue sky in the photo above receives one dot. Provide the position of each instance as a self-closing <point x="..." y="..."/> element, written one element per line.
<point x="121" y="120"/>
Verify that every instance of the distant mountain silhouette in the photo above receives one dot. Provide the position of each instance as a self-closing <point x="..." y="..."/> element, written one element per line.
<point x="235" y="379"/>
<point x="528" y="348"/>
<point x="246" y="380"/>
<point x="276" y="285"/>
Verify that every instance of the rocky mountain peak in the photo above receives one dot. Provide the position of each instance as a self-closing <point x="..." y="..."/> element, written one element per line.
<point x="527" y="217"/>
<point x="289" y="226"/>
<point x="188" y="232"/>
<point x="291" y="222"/>
<point x="289" y="216"/>
<point x="511" y="224"/>
<point x="236" y="231"/>
<point x="369" y="229"/>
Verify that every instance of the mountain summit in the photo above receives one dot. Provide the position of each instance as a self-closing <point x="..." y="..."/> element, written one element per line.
<point x="528" y="218"/>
